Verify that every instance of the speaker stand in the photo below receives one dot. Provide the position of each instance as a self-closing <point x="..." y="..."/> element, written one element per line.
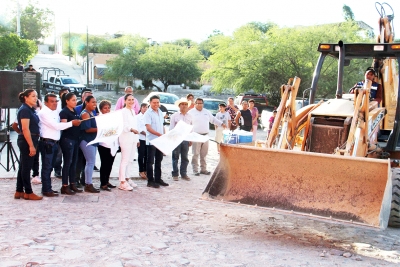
<point x="12" y="157"/>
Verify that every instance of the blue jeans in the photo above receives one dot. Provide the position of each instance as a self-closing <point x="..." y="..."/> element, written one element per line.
<point x="25" y="166"/>
<point x="58" y="160"/>
<point x="183" y="150"/>
<point x="154" y="156"/>
<point x="90" y="155"/>
<point x="69" y="149"/>
<point x="47" y="151"/>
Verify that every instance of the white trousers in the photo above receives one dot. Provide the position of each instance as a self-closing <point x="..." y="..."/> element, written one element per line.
<point x="128" y="152"/>
<point x="255" y="132"/>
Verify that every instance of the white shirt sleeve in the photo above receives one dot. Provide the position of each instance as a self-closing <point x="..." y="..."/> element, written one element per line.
<point x="214" y="120"/>
<point x="47" y="119"/>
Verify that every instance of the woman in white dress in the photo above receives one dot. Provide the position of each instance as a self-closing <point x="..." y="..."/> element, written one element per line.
<point x="128" y="141"/>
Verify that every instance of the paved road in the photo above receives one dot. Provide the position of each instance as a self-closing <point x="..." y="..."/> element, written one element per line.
<point x="59" y="61"/>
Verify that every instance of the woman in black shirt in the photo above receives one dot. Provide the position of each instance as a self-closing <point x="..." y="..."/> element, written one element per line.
<point x="28" y="123"/>
<point x="69" y="143"/>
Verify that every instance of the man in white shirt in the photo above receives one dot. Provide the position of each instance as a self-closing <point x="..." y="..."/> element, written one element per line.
<point x="153" y="119"/>
<point x="50" y="132"/>
<point x="201" y="118"/>
<point x="182" y="149"/>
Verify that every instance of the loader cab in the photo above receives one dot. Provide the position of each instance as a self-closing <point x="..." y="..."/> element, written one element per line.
<point x="334" y="118"/>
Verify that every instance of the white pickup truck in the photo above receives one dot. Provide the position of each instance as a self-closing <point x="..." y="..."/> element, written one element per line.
<point x="57" y="82"/>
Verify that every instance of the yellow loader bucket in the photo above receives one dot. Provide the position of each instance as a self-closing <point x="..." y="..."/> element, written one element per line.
<point x="337" y="187"/>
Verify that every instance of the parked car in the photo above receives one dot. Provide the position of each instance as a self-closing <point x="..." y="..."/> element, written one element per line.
<point x="211" y="105"/>
<point x="167" y="100"/>
<point x="58" y="82"/>
<point x="260" y="101"/>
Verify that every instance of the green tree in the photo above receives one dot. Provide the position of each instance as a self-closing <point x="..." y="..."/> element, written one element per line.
<point x="14" y="49"/>
<point x="73" y="39"/>
<point x="124" y="66"/>
<point x="263" y="27"/>
<point x="182" y="42"/>
<point x="348" y="13"/>
<point x="36" y="23"/>
<point x="95" y="44"/>
<point x="252" y="59"/>
<point x="207" y="46"/>
<point x="170" y="64"/>
<point x="4" y="29"/>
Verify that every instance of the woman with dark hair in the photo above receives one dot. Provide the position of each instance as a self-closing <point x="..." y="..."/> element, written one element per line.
<point x="232" y="109"/>
<point x="254" y="116"/>
<point x="28" y="123"/>
<point x="128" y="140"/>
<point x="88" y="133"/>
<point x="107" y="152"/>
<point x="69" y="143"/>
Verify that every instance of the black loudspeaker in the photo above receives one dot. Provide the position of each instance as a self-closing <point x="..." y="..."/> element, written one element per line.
<point x="14" y="82"/>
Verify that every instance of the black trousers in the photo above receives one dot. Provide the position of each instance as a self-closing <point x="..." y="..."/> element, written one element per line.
<point x="142" y="156"/>
<point x="26" y="164"/>
<point x="154" y="156"/>
<point x="107" y="161"/>
<point x="246" y="128"/>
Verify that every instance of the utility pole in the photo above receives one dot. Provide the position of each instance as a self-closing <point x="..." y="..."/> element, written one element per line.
<point x="69" y="39"/>
<point x="18" y="20"/>
<point x="87" y="56"/>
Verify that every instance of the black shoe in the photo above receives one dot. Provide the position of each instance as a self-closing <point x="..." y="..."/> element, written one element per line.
<point x="50" y="194"/>
<point x="57" y="174"/>
<point x="95" y="169"/>
<point x="90" y="189"/>
<point x="162" y="183"/>
<point x="78" y="185"/>
<point x="65" y="190"/>
<point x="105" y="188"/>
<point x="196" y="174"/>
<point x="111" y="186"/>
<point x="55" y="192"/>
<point x="153" y="184"/>
<point x="74" y="188"/>
<point x="205" y="172"/>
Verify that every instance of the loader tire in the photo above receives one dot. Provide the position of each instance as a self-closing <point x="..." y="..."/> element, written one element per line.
<point x="394" y="219"/>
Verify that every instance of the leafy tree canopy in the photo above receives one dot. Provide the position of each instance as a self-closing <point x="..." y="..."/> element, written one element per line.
<point x="170" y="64"/>
<point x="36" y="23"/>
<point x="207" y="46"/>
<point x="252" y="59"/>
<point x="14" y="49"/>
<point x="125" y="65"/>
<point x="348" y="13"/>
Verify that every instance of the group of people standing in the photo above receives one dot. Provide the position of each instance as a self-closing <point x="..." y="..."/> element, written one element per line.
<point x="70" y="126"/>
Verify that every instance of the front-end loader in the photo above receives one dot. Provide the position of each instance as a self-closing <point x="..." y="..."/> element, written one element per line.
<point x="346" y="167"/>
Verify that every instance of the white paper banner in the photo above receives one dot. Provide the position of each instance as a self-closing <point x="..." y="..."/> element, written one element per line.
<point x="182" y="132"/>
<point x="109" y="127"/>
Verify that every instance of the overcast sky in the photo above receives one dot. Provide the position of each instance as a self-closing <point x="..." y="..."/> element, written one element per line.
<point x="166" y="20"/>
